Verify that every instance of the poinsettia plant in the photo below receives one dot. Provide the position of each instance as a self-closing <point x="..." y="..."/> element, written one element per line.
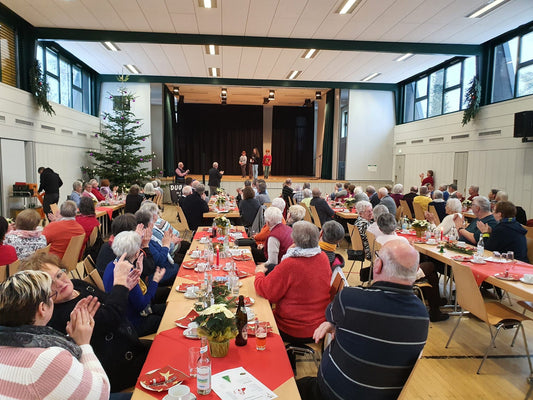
<point x="217" y="323"/>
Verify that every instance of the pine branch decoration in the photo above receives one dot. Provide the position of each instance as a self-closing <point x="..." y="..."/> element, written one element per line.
<point x="39" y="88"/>
<point x="473" y="97"/>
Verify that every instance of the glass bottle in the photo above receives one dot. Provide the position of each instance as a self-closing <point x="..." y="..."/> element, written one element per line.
<point x="203" y="370"/>
<point x="480" y="246"/>
<point x="242" y="323"/>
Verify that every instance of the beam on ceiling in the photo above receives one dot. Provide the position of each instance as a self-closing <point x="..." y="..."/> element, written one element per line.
<point x="176" y="80"/>
<point x="89" y="35"/>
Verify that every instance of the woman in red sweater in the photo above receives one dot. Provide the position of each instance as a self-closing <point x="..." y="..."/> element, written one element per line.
<point x="8" y="254"/>
<point x="298" y="286"/>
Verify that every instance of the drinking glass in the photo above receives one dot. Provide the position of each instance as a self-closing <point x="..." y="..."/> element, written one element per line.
<point x="261" y="335"/>
<point x="510" y="256"/>
<point x="497" y="256"/>
<point x="194" y="355"/>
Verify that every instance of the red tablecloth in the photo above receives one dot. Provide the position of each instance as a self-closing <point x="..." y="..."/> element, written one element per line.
<point x="171" y="348"/>
<point x="242" y="266"/>
<point x="204" y="232"/>
<point x="108" y="210"/>
<point x="483" y="271"/>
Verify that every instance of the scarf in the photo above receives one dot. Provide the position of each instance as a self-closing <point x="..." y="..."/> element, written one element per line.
<point x="33" y="336"/>
<point x="327" y="246"/>
<point x="27" y="234"/>
<point x="299" y="252"/>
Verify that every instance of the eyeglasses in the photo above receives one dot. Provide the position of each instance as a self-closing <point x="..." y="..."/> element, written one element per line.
<point x="61" y="274"/>
<point x="376" y="254"/>
<point x="53" y="296"/>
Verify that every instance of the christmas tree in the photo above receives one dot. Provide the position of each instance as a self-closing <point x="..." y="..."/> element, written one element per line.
<point x="121" y="157"/>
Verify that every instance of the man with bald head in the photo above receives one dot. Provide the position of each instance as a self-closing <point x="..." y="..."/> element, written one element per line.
<point x="379" y="332"/>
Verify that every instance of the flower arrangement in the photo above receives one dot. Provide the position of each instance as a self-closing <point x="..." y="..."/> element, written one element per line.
<point x="349" y="202"/>
<point x="220" y="200"/>
<point x="467" y="203"/>
<point x="221" y="191"/>
<point x="222" y="222"/>
<point x="420" y="224"/>
<point x="217" y="323"/>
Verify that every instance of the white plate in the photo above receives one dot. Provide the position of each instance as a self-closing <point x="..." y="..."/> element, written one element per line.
<point x="526" y="282"/>
<point x="477" y="262"/>
<point x="497" y="260"/>
<point x="190" y="396"/>
<point x="192" y="296"/>
<point x="189" y="335"/>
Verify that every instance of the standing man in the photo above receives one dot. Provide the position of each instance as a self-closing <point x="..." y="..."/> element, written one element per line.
<point x="181" y="173"/>
<point x="242" y="163"/>
<point x="267" y="163"/>
<point x="50" y="183"/>
<point x="379" y="333"/>
<point x="214" y="179"/>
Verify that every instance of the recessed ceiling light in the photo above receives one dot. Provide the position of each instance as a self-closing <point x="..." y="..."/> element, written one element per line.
<point x="404" y="57"/>
<point x="370" y="77"/>
<point x="207" y="3"/>
<point x="482" y="11"/>
<point x="176" y="90"/>
<point x="211" y="49"/>
<point x="214" y="72"/>
<point x="294" y="74"/>
<point x="271" y="95"/>
<point x="311" y="53"/>
<point x="347" y="6"/>
<point x="132" y="68"/>
<point x="110" y="46"/>
<point x="318" y="95"/>
<point x="224" y="93"/>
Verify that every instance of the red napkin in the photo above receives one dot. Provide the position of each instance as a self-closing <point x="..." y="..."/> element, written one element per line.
<point x="163" y="378"/>
<point x="185" y="321"/>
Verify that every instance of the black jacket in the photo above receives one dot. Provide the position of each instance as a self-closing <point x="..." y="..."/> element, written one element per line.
<point x="194" y="207"/>
<point x="50" y="181"/>
<point x="214" y="177"/>
<point x="508" y="235"/>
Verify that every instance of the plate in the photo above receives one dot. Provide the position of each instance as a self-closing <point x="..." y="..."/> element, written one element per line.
<point x="462" y="258"/>
<point x="473" y="261"/>
<point x="191" y="333"/>
<point x="190" y="296"/>
<point x="248" y="301"/>
<point x="242" y="274"/>
<point x="183" y="287"/>
<point x="526" y="282"/>
<point x="190" y="396"/>
<point x="162" y="379"/>
<point x="184" y="322"/>
<point x="434" y="243"/>
<point x="506" y="277"/>
<point x="243" y="257"/>
<point x="189" y="264"/>
<point x="497" y="260"/>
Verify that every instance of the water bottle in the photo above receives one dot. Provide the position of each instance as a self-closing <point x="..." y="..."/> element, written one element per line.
<point x="203" y="370"/>
<point x="404" y="224"/>
<point x="480" y="246"/>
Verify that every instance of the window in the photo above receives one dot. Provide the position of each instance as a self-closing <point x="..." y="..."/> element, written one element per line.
<point x="513" y="68"/>
<point x="70" y="84"/>
<point x="8" y="56"/>
<point x="440" y="92"/>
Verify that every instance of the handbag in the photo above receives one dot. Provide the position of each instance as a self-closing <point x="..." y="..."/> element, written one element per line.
<point x="356" y="255"/>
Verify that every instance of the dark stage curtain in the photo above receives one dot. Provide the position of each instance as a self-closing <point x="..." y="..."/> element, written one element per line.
<point x="169" y="127"/>
<point x="292" y="141"/>
<point x="327" y="147"/>
<point x="213" y="132"/>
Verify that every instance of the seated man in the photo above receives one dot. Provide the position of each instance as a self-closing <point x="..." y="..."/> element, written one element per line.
<point x="379" y="333"/>
<point x="324" y="211"/>
<point x="386" y="200"/>
<point x="409" y="197"/>
<point x="262" y="195"/>
<point x="194" y="207"/>
<point x="481" y="210"/>
<point x="473" y="191"/>
<point x="372" y="195"/>
<point x="59" y="232"/>
<point x="439" y="204"/>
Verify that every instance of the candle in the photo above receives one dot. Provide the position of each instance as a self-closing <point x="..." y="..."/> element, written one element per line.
<point x="441" y="234"/>
<point x="218" y="256"/>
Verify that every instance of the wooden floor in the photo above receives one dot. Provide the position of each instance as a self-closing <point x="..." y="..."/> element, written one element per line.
<point x="451" y="373"/>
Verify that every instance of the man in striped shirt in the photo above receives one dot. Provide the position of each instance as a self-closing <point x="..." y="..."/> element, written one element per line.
<point x="378" y="331"/>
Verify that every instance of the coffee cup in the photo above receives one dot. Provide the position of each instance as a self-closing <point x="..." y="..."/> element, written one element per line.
<point x="191" y="291"/>
<point x="196" y="253"/>
<point x="528" y="278"/>
<point x="178" y="392"/>
<point x="431" y="241"/>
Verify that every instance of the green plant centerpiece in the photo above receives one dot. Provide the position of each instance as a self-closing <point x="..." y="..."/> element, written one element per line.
<point x="223" y="224"/>
<point x="217" y="324"/>
<point x="349" y="203"/>
<point x="466" y="204"/>
<point x="420" y="226"/>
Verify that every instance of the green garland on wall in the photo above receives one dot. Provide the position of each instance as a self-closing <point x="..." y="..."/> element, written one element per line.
<point x="39" y="88"/>
<point x="473" y="98"/>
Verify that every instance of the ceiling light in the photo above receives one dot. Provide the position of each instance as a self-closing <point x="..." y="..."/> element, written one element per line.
<point x="294" y="74"/>
<point x="132" y="68"/>
<point x="482" y="11"/>
<point x="271" y="95"/>
<point x="311" y="53"/>
<point x="211" y="49"/>
<point x="214" y="72"/>
<point x="318" y="95"/>
<point x="404" y="57"/>
<point x="110" y="46"/>
<point x="207" y="3"/>
<point x="370" y="77"/>
<point x="347" y="6"/>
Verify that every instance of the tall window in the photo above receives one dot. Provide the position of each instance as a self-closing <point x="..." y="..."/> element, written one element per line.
<point x="69" y="83"/>
<point x="8" y="56"/>
<point x="513" y="68"/>
<point x="440" y="92"/>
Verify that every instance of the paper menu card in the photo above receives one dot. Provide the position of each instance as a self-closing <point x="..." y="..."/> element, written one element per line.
<point x="239" y="384"/>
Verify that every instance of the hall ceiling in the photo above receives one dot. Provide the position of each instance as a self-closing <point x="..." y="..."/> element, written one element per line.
<point x="403" y="21"/>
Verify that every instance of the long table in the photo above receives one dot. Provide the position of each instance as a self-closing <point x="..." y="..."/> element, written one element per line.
<point x="105" y="215"/>
<point x="271" y="366"/>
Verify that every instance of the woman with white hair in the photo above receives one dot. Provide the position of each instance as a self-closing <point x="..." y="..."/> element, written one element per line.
<point x="279" y="239"/>
<point x="299" y="285"/>
<point x="453" y="207"/>
<point x="95" y="191"/>
<point x="397" y="193"/>
<point x="378" y="210"/>
<point x="296" y="213"/>
<point x="439" y="204"/>
<point x="143" y="315"/>
<point x="363" y="221"/>
<point x="149" y="191"/>
<point x="308" y="196"/>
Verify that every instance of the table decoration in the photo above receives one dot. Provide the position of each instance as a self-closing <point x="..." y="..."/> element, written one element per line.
<point x="162" y="379"/>
<point x="223" y="224"/>
<point x="463" y="250"/>
<point x="420" y="226"/>
<point x="349" y="203"/>
<point x="217" y="323"/>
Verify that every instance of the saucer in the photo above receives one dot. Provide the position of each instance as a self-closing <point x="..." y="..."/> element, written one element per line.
<point x="526" y="282"/>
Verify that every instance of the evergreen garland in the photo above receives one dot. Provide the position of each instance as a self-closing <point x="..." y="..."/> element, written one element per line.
<point x="473" y="98"/>
<point x="121" y="152"/>
<point x="39" y="88"/>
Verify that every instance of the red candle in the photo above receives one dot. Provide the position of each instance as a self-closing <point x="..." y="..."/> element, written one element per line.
<point x="441" y="234"/>
<point x="218" y="256"/>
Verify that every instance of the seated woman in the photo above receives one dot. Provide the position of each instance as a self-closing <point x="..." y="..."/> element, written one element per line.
<point x="363" y="221"/>
<point x="373" y="228"/>
<point x="36" y="361"/>
<point x="397" y="193"/>
<point x="453" y="208"/>
<point x="248" y="206"/>
<point x="105" y="190"/>
<point x="330" y="236"/>
<point x="144" y="314"/>
<point x="28" y="235"/>
<point x="88" y="192"/>
<point x="95" y="191"/>
<point x="133" y="200"/>
<point x="426" y="271"/>
<point x="508" y="234"/>
<point x="149" y="191"/>
<point x="439" y="204"/>
<point x="262" y="236"/>
<point x="299" y="285"/>
<point x="114" y="340"/>
<point x="279" y="240"/>
<point x="8" y="254"/>
<point x="87" y="217"/>
<point x="296" y="213"/>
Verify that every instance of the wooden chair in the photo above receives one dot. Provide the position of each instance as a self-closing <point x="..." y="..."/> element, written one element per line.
<point x="8" y="270"/>
<point x="307" y="216"/>
<point x="54" y="208"/>
<point x="405" y="209"/>
<point x="3" y="272"/>
<point x="338" y="282"/>
<point x="419" y="212"/>
<point x="402" y="395"/>
<point x="44" y="250"/>
<point x="433" y="211"/>
<point x="72" y="253"/>
<point x="183" y="226"/>
<point x="316" y="219"/>
<point x="291" y="201"/>
<point x="267" y="204"/>
<point x="93" y="236"/>
<point x="95" y="279"/>
<point x="356" y="244"/>
<point x="492" y="313"/>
